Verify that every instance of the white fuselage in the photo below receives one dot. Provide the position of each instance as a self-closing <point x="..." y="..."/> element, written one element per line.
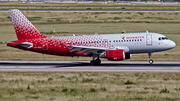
<point x="140" y="42"/>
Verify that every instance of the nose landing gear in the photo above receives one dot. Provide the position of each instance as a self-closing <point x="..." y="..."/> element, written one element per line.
<point x="150" y="61"/>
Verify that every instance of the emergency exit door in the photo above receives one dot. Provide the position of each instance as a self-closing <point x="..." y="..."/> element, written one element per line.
<point x="149" y="39"/>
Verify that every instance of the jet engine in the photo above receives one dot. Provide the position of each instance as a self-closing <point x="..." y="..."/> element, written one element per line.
<point x="115" y="55"/>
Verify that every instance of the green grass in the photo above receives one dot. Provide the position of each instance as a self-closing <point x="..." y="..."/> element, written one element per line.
<point x="20" y="86"/>
<point x="95" y="17"/>
<point x="95" y="5"/>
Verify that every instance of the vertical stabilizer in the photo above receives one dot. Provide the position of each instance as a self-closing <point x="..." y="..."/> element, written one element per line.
<point x="23" y="27"/>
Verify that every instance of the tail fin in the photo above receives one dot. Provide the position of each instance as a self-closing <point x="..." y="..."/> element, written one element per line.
<point x="23" y="27"/>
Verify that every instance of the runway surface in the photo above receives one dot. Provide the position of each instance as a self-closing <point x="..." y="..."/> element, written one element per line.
<point x="84" y="66"/>
<point x="96" y="10"/>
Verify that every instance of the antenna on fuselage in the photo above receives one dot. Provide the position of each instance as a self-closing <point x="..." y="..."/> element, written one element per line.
<point x="124" y="31"/>
<point x="147" y="31"/>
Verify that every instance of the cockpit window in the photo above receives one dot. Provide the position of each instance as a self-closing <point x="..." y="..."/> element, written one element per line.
<point x="163" y="38"/>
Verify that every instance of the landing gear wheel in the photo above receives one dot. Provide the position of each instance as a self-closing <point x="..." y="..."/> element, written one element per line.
<point x="93" y="62"/>
<point x="151" y="61"/>
<point x="98" y="61"/>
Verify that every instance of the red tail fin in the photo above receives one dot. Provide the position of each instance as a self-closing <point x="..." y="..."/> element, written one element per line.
<point x="23" y="27"/>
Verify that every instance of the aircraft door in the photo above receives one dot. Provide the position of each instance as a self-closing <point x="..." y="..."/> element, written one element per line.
<point x="149" y="39"/>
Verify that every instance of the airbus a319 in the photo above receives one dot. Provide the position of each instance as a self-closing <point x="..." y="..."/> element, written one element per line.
<point x="114" y="47"/>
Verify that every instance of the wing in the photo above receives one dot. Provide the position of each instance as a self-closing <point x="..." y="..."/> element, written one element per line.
<point x="94" y="50"/>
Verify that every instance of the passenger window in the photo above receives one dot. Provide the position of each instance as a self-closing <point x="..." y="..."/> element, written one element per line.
<point x="109" y="41"/>
<point x="105" y="41"/>
<point x="137" y="39"/>
<point x="124" y="40"/>
<point x="114" y="41"/>
<point x="129" y="40"/>
<point x="132" y="40"/>
<point x="140" y="39"/>
<point x="119" y="40"/>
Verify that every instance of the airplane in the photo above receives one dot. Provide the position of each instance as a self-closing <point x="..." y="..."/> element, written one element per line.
<point x="114" y="47"/>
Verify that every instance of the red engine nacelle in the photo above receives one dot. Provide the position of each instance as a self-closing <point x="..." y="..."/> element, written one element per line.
<point x="115" y="55"/>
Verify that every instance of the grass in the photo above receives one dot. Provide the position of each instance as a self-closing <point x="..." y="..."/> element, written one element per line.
<point x="95" y="5"/>
<point x="95" y="17"/>
<point x="105" y="86"/>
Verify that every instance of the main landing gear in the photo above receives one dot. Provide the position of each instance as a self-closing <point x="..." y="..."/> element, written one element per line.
<point x="95" y="62"/>
<point x="150" y="61"/>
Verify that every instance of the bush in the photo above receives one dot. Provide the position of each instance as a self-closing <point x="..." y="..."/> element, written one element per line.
<point x="64" y="89"/>
<point x="128" y="82"/>
<point x="53" y="89"/>
<point x="12" y="92"/>
<point x="128" y="87"/>
<point x="92" y="90"/>
<point x="164" y="91"/>
<point x="103" y="89"/>
<point x="28" y="87"/>
<point x="87" y="80"/>
<point x="62" y="76"/>
<point x="50" y="79"/>
<point x="73" y="91"/>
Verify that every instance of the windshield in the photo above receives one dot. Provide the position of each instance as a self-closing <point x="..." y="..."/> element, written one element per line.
<point x="163" y="38"/>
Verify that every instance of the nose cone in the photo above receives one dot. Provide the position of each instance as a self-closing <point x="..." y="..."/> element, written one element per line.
<point x="172" y="44"/>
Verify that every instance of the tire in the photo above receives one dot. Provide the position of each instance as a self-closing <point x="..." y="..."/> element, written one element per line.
<point x="93" y="62"/>
<point x="98" y="61"/>
<point x="151" y="61"/>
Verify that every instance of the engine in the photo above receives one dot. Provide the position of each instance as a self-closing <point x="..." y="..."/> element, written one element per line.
<point x="115" y="55"/>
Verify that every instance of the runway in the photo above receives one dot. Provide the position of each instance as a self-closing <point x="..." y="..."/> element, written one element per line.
<point x="84" y="66"/>
<point x="96" y="10"/>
